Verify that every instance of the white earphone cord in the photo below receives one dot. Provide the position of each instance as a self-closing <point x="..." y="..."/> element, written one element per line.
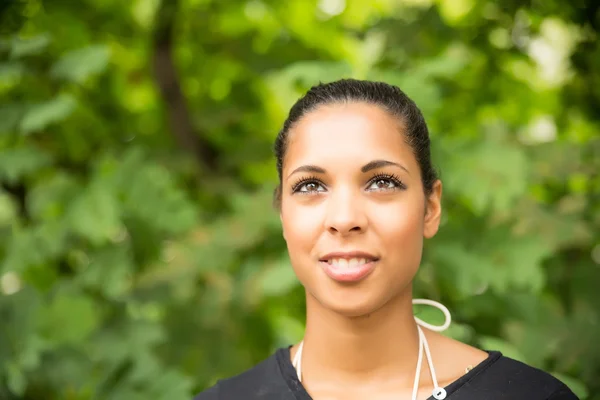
<point x="438" y="392"/>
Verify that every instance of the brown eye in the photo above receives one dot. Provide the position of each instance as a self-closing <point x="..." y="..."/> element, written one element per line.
<point x="384" y="183"/>
<point x="309" y="187"/>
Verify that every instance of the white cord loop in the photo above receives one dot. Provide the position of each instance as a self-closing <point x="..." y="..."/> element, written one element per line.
<point x="438" y="392"/>
<point x="439" y="306"/>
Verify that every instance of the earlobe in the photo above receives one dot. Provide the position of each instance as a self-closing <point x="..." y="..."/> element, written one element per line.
<point x="433" y="211"/>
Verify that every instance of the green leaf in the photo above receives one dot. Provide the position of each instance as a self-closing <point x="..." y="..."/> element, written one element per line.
<point x="69" y="318"/>
<point x="95" y="215"/>
<point x="288" y="329"/>
<point x="9" y="117"/>
<point x="8" y="209"/>
<point x="35" y="246"/>
<point x="31" y="46"/>
<point x="49" y="199"/>
<point x="16" y="379"/>
<point x="278" y="279"/>
<point x="109" y="271"/>
<point x="79" y="65"/>
<point x="454" y="11"/>
<point x="285" y="82"/>
<point x="11" y="73"/>
<point x="41" y="115"/>
<point x="415" y="84"/>
<point x="468" y="271"/>
<point x="150" y="193"/>
<point x="18" y="163"/>
<point x="125" y="340"/>
<point x="497" y="344"/>
<point x="519" y="262"/>
<point x="479" y="169"/>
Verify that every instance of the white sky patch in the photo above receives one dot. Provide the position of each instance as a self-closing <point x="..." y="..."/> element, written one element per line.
<point x="255" y="10"/>
<point x="332" y="7"/>
<point x="144" y="11"/>
<point x="10" y="283"/>
<point x="551" y="50"/>
<point x="541" y="129"/>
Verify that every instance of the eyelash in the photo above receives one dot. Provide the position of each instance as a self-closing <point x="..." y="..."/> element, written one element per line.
<point x="391" y="177"/>
<point x="312" y="179"/>
<point x="302" y="181"/>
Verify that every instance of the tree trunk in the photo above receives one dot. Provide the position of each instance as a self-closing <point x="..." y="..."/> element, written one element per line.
<point x="180" y="123"/>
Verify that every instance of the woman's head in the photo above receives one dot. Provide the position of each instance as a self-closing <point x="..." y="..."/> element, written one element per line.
<point x="357" y="193"/>
<point x="388" y="97"/>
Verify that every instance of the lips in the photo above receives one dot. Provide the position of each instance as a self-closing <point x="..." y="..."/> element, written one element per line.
<point x="349" y="266"/>
<point x="350" y="255"/>
<point x="343" y="262"/>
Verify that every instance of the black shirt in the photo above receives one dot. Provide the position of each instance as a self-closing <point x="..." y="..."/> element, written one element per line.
<point x="497" y="377"/>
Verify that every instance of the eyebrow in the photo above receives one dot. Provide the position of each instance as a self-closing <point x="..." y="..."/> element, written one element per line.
<point x="380" y="164"/>
<point x="375" y="164"/>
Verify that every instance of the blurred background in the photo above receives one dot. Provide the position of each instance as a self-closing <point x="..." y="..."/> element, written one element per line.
<point x="140" y="254"/>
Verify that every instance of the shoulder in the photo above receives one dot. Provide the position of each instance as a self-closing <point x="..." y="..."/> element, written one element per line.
<point x="211" y="393"/>
<point x="509" y="378"/>
<point x="492" y="375"/>
<point x="259" y="382"/>
<point x="453" y="358"/>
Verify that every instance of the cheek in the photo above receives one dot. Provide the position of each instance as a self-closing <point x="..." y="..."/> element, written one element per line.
<point x="301" y="227"/>
<point x="400" y="228"/>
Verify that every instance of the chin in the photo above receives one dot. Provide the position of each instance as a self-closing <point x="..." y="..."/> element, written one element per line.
<point x="350" y="306"/>
<point x="356" y="312"/>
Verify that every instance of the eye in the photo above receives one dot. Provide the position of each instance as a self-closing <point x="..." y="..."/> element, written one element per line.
<point x="384" y="183"/>
<point x="308" y="186"/>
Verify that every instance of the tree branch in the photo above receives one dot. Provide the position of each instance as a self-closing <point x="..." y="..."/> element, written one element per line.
<point x="165" y="73"/>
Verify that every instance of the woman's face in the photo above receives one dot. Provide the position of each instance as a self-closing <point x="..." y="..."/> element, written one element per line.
<point x="353" y="209"/>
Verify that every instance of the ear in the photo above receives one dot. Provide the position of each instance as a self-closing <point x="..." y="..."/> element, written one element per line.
<point x="433" y="211"/>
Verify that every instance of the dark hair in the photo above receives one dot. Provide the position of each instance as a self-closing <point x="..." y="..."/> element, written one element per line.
<point x="389" y="97"/>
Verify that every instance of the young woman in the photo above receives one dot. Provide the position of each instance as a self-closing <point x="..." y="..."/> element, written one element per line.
<point x="357" y="197"/>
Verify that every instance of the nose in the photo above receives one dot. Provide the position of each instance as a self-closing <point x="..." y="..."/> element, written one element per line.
<point x="345" y="213"/>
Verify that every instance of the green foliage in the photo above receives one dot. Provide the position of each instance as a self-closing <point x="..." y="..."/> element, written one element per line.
<point x="136" y="267"/>
<point x="78" y="65"/>
<point x="39" y="116"/>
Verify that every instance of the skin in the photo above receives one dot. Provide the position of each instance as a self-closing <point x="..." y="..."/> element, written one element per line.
<point x="361" y="339"/>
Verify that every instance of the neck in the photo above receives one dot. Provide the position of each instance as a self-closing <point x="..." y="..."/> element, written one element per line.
<point x="381" y="344"/>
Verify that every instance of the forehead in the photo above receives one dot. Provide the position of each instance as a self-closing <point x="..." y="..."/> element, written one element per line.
<point x="344" y="133"/>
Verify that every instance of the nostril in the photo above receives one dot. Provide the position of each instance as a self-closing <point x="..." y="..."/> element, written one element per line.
<point x="353" y="229"/>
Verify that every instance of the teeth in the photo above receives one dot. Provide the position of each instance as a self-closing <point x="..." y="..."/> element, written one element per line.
<point x="344" y="263"/>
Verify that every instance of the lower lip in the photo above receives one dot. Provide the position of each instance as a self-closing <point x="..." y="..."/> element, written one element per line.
<point x="348" y="274"/>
